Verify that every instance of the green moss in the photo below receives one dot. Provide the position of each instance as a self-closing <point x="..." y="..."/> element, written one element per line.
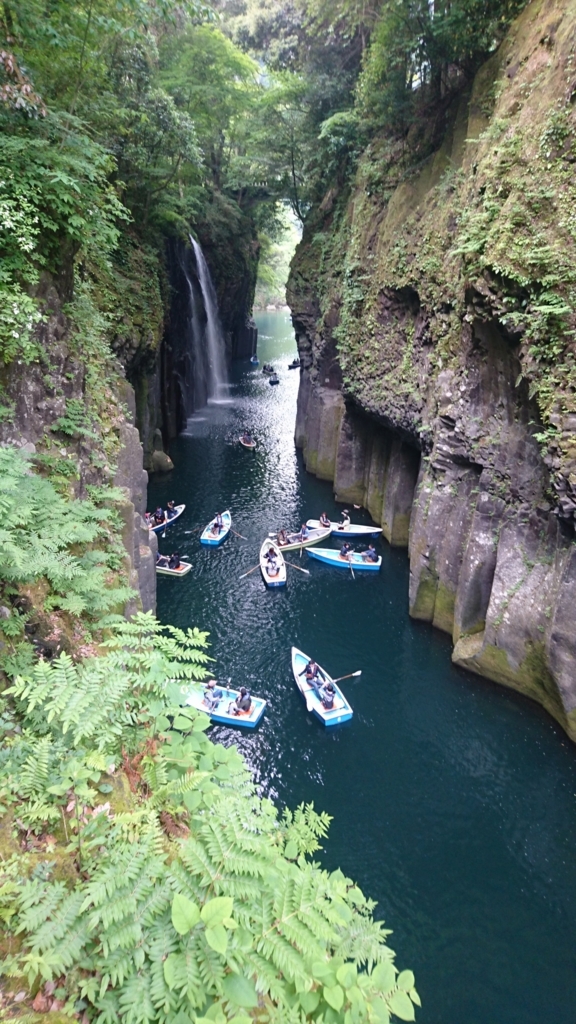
<point x="425" y="600"/>
<point x="532" y="677"/>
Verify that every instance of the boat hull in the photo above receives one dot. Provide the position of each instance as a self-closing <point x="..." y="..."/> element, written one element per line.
<point x="319" y="535"/>
<point x="168" y="522"/>
<point x="331" y="557"/>
<point x="207" y="538"/>
<point x="220" y="714"/>
<point x="341" y="712"/>
<point x="183" y="570"/>
<point x="354" y="530"/>
<point x="272" y="581"/>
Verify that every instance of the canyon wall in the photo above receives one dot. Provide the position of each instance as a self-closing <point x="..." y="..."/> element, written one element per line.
<point x="80" y="443"/>
<point x="433" y="299"/>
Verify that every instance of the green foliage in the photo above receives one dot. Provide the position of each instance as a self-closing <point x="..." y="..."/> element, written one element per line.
<point x="198" y="898"/>
<point x="45" y="536"/>
<point x="421" y="51"/>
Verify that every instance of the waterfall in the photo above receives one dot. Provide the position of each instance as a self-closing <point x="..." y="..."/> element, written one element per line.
<point x="211" y="333"/>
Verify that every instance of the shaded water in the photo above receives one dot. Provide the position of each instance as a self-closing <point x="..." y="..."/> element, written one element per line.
<point x="453" y="799"/>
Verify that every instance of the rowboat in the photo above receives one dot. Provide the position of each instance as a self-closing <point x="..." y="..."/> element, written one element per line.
<point x="246" y="444"/>
<point x="273" y="378"/>
<point x="178" y="510"/>
<point x="354" y="559"/>
<point x="254" y="360"/>
<point x="268" y="368"/>
<point x="341" y="712"/>
<point x="353" y="530"/>
<point x="314" y="537"/>
<point x="295" y="365"/>
<point x="246" y="719"/>
<point x="272" y="581"/>
<point x="213" y="539"/>
<point x="182" y="569"/>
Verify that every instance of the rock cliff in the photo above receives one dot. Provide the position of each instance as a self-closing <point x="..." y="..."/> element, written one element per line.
<point x="433" y="299"/>
<point x="75" y="413"/>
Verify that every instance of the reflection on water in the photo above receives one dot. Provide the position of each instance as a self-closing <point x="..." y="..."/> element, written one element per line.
<point x="453" y="799"/>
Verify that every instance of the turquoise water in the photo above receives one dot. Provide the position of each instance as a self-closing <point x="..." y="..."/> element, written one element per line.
<point x="453" y="799"/>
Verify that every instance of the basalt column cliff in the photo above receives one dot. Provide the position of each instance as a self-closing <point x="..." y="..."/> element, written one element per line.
<point x="433" y="298"/>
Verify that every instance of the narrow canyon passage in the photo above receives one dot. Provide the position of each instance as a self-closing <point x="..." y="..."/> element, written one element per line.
<point x="453" y="799"/>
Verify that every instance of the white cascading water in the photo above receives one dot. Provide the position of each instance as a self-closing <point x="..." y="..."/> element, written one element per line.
<point x="213" y="334"/>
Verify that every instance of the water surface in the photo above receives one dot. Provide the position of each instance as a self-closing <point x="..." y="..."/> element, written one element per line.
<point x="453" y="799"/>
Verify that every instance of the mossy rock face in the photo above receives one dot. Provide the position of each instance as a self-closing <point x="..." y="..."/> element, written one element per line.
<point x="441" y="281"/>
<point x="532" y="677"/>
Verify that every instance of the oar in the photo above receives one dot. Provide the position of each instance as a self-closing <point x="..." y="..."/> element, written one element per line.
<point x="249" y="571"/>
<point x="351" y="567"/>
<point x="349" y="676"/>
<point x="291" y="564"/>
<point x="238" y="534"/>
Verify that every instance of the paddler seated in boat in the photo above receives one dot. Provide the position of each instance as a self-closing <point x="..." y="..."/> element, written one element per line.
<point x="171" y="510"/>
<point x="272" y="568"/>
<point x="345" y="551"/>
<point x="218" y="524"/>
<point x="370" y="554"/>
<point x="282" y="538"/>
<point x="174" y="561"/>
<point x="159" y="516"/>
<point x="345" y="523"/>
<point x="324" y="521"/>
<point x="247" y="437"/>
<point x="312" y="673"/>
<point x="161" y="559"/>
<point x="242" y="704"/>
<point x="327" y="695"/>
<point x="212" y="694"/>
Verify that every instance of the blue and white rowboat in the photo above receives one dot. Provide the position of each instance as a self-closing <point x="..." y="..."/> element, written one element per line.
<point x="208" y="536"/>
<point x="178" y="510"/>
<point x="279" y="580"/>
<point x="341" y="712"/>
<point x="246" y="719"/>
<point x="354" y="559"/>
<point x="254" y="360"/>
<point x="352" y="530"/>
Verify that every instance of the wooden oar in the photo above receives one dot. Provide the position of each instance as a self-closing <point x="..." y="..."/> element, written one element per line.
<point x="238" y="534"/>
<point x="349" y="676"/>
<point x="351" y="567"/>
<point x="249" y="571"/>
<point x="291" y="564"/>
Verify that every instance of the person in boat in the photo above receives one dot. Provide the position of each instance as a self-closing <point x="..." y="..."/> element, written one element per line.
<point x="162" y="560"/>
<point x="345" y="522"/>
<point x="159" y="516"/>
<point x="282" y="537"/>
<point x="312" y="673"/>
<point x="242" y="704"/>
<point x="174" y="561"/>
<point x="218" y="524"/>
<point x="212" y="694"/>
<point x="324" y="521"/>
<point x="370" y="554"/>
<point x="171" y="510"/>
<point x="345" y="551"/>
<point x="272" y="568"/>
<point x="304" y="533"/>
<point x="247" y="437"/>
<point x="327" y="695"/>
